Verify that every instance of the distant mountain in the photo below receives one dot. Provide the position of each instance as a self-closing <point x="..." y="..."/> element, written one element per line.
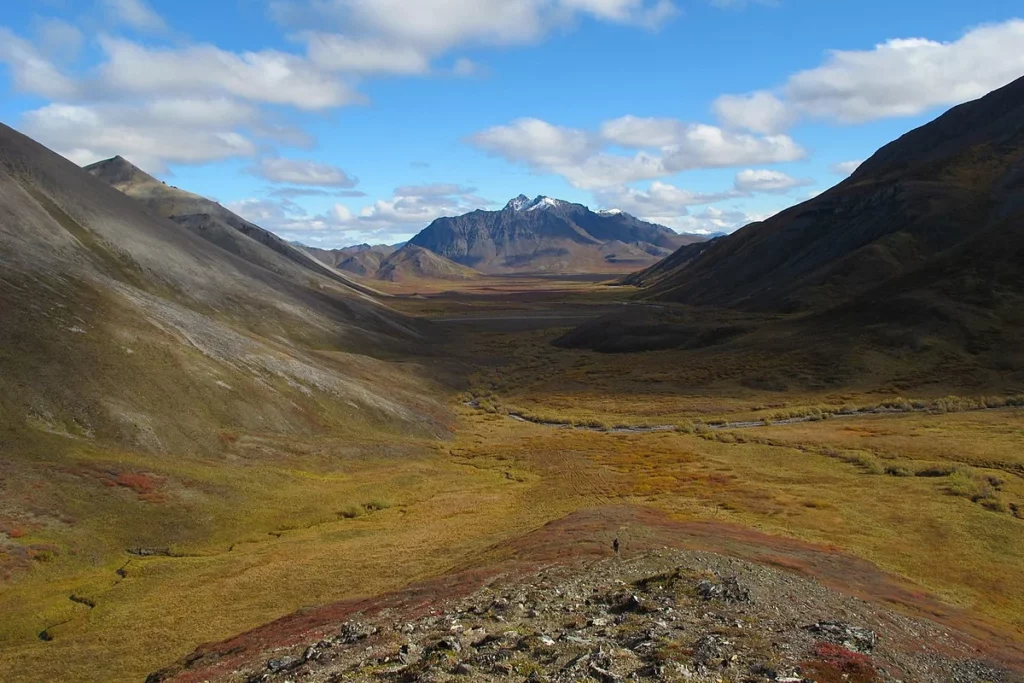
<point x="413" y="262"/>
<point x="361" y="259"/>
<point x="548" y="235"/>
<point x="950" y="192"/>
<point x="393" y="262"/>
<point x="213" y="222"/>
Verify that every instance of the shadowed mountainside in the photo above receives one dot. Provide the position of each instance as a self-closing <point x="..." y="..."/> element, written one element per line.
<point x="917" y="257"/>
<point x="918" y="201"/>
<point x="547" y="235"/>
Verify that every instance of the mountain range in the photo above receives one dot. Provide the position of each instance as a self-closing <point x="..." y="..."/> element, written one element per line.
<point x="546" y="235"/>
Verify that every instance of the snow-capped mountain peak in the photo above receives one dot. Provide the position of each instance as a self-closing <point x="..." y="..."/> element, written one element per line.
<point x="610" y="212"/>
<point x="540" y="203"/>
<point x="519" y="203"/>
<point x="543" y="203"/>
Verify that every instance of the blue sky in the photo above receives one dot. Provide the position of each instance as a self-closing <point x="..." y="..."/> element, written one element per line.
<point x="335" y="122"/>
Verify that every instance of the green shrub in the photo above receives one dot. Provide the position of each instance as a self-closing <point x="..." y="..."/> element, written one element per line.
<point x="965" y="485"/>
<point x="937" y="471"/>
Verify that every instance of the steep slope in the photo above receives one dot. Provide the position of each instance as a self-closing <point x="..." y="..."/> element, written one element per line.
<point x="416" y="263"/>
<point x="149" y="379"/>
<point x="215" y="223"/>
<point x="931" y="191"/>
<point x="551" y="236"/>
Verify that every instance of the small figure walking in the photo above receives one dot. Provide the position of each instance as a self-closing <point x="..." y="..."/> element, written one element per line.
<point x="615" y="546"/>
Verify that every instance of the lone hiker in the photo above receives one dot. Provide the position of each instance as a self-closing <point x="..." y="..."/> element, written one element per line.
<point x="615" y="546"/>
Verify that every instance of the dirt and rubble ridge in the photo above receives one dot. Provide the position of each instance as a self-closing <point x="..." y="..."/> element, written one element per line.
<point x="662" y="615"/>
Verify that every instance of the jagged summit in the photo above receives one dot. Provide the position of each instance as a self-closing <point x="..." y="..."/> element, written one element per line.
<point x="518" y="203"/>
<point x="541" y="202"/>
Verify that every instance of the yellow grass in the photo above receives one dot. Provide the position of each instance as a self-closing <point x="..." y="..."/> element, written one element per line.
<point x="277" y="522"/>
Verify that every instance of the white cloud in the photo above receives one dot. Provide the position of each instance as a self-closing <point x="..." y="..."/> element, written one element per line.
<point x="732" y="4"/>
<point x="637" y="132"/>
<point x="302" y="172"/>
<point x="408" y="211"/>
<point x="537" y="143"/>
<point x="433" y="190"/>
<point x="267" y="76"/>
<point x="706" y="146"/>
<point x="760" y="112"/>
<point x="636" y="12"/>
<point x="339" y="53"/>
<point x="661" y="201"/>
<point x="439" y="25"/>
<point x="577" y="155"/>
<point x="30" y="70"/>
<point x="136" y="14"/>
<point x="152" y="135"/>
<point x="901" y="77"/>
<point x="712" y="220"/>
<point x="750" y="181"/>
<point x="59" y="40"/>
<point x="846" y="167"/>
<point x="403" y="36"/>
<point x="465" y="67"/>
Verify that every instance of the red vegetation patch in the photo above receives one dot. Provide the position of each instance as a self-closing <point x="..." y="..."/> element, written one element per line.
<point x="228" y="438"/>
<point x="836" y="664"/>
<point x="140" y="483"/>
<point x="145" y="486"/>
<point x="16" y="533"/>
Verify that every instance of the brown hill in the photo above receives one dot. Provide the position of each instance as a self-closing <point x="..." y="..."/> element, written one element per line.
<point x="361" y="259"/>
<point x="95" y="288"/>
<point x="215" y="223"/>
<point x="416" y="263"/>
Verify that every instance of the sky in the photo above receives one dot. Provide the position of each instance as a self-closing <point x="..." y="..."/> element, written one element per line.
<point x="338" y="122"/>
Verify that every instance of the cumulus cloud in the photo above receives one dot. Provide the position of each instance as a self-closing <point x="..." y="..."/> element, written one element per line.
<point x="661" y="201"/>
<point x="669" y="205"/>
<point x="667" y="146"/>
<point x="750" y="181"/>
<point x="59" y="40"/>
<point x="340" y="53"/>
<point x="713" y="220"/>
<point x="135" y="13"/>
<point x="901" y="77"/>
<point x="268" y="76"/>
<point x="404" y="36"/>
<point x="846" y="167"/>
<point x="186" y="130"/>
<point x="409" y="210"/>
<point x="760" y="112"/>
<point x="302" y="172"/>
<point x="295" y="192"/>
<point x="30" y="70"/>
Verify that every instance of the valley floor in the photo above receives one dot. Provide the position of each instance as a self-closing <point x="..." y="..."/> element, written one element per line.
<point x="921" y="509"/>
